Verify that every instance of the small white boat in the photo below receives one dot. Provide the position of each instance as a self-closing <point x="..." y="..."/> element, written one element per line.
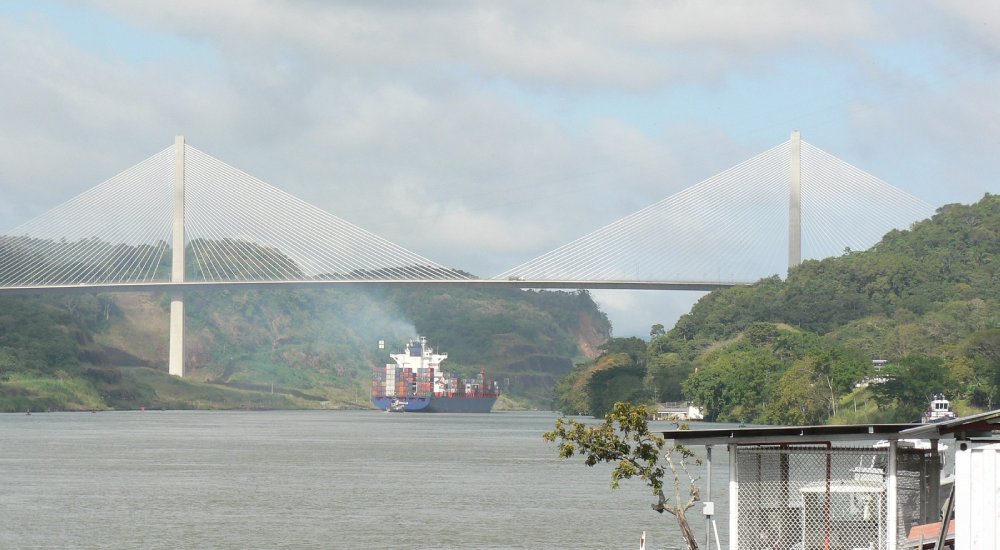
<point x="918" y="444"/>
<point x="396" y="406"/>
<point x="938" y="411"/>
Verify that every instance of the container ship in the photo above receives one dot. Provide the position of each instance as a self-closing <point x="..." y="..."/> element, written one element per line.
<point x="416" y="383"/>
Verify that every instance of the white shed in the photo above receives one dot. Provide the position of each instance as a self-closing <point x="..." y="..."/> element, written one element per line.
<point x="816" y="487"/>
<point x="977" y="495"/>
<point x="822" y="487"/>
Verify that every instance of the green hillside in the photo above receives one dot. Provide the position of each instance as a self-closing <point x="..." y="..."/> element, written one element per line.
<point x="281" y="348"/>
<point x="794" y="351"/>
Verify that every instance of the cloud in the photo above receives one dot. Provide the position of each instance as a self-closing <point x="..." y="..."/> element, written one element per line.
<point x="635" y="45"/>
<point x="958" y="164"/>
<point x="633" y="312"/>
<point x="483" y="134"/>
<point x="974" y="24"/>
<point x="59" y="108"/>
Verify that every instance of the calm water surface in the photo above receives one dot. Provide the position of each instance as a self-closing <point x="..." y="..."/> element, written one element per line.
<point x="313" y="479"/>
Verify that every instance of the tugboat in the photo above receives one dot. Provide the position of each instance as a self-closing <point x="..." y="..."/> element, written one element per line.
<point x="396" y="406"/>
<point x="416" y="383"/>
<point x="939" y="410"/>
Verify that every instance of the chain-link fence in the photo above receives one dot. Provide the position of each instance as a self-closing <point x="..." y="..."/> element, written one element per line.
<point x="918" y="489"/>
<point x="805" y="497"/>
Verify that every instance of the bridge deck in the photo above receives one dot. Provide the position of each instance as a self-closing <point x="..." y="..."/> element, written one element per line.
<point x="460" y="283"/>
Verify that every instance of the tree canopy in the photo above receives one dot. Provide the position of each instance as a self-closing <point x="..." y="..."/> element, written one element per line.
<point x="800" y="350"/>
<point x="624" y="440"/>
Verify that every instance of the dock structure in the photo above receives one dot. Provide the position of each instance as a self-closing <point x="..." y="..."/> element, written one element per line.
<point x="974" y="505"/>
<point x="817" y="487"/>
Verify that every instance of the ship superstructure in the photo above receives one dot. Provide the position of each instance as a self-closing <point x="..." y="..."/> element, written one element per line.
<point x="939" y="410"/>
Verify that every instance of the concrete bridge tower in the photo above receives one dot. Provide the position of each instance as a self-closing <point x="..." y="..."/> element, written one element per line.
<point x="795" y="203"/>
<point x="177" y="265"/>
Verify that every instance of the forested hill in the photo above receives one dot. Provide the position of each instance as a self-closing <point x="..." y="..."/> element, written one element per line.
<point x="793" y="351"/>
<point x="282" y="348"/>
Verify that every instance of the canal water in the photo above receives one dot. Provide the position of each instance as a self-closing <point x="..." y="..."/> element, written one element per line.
<point x="316" y="479"/>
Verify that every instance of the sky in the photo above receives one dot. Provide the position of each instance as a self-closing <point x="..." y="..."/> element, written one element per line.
<point x="484" y="134"/>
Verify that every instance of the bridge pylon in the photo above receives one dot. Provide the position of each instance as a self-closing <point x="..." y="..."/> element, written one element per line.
<point x="795" y="202"/>
<point x="176" y="364"/>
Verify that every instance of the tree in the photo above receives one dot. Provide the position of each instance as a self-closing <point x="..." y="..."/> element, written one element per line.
<point x="634" y="347"/>
<point x="735" y="385"/>
<point x="983" y="348"/>
<point x="665" y="374"/>
<point x="761" y="334"/>
<point x="623" y="381"/>
<point x="910" y="385"/>
<point x="624" y="439"/>
<point x="834" y="373"/>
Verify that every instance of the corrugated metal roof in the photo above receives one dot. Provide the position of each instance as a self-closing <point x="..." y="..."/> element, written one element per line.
<point x="972" y="425"/>
<point x="790" y="434"/>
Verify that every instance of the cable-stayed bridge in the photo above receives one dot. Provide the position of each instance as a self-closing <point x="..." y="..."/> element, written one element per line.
<point x="756" y="219"/>
<point x="182" y="219"/>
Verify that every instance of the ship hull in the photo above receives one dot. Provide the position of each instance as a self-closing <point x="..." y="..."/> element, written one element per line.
<point x="454" y="404"/>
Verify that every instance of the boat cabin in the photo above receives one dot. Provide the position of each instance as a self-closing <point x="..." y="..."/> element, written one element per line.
<point x="938" y="410"/>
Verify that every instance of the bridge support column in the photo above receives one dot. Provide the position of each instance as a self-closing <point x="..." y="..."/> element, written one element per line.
<point x="795" y="203"/>
<point x="176" y="365"/>
<point x="177" y="334"/>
